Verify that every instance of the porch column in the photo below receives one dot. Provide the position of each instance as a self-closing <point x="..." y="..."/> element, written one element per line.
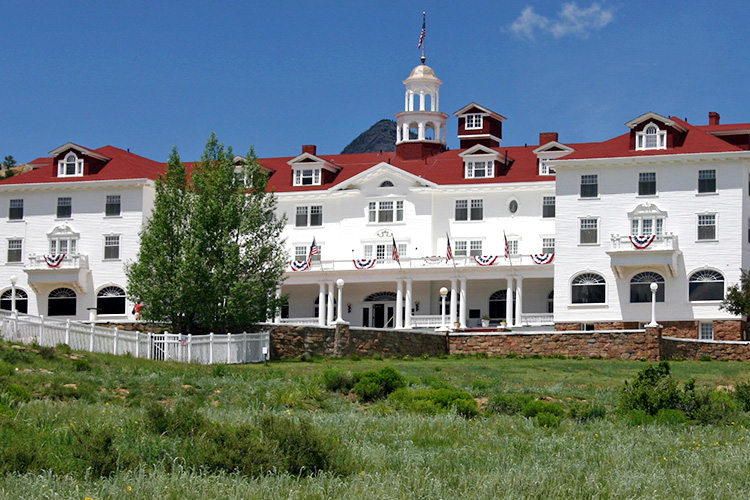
<point x="454" y="303"/>
<point x="322" y="304"/>
<point x="277" y="311"/>
<point x="462" y="309"/>
<point x="509" y="302"/>
<point x="519" y="301"/>
<point x="329" y="312"/>
<point x="407" y="319"/>
<point x="399" y="303"/>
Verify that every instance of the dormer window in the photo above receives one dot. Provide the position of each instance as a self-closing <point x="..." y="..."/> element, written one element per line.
<point x="307" y="176"/>
<point x="651" y="138"/>
<point x="544" y="168"/>
<point x="71" y="166"/>
<point x="479" y="169"/>
<point x="473" y="122"/>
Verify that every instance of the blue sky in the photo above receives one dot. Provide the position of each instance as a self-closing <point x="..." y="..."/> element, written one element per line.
<point x="276" y="75"/>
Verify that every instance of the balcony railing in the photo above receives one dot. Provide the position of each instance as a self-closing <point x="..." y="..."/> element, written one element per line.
<point x="71" y="261"/>
<point x="421" y="263"/>
<point x="660" y="242"/>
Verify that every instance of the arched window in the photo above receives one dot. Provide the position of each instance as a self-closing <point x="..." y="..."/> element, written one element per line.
<point x="61" y="302"/>
<point x="429" y="131"/>
<point x="706" y="285"/>
<point x="413" y="131"/>
<point x="22" y="301"/>
<point x="110" y="300"/>
<point x="70" y="166"/>
<point x="640" y="287"/>
<point x="386" y="184"/>
<point x="381" y="297"/>
<point x="588" y="288"/>
<point x="651" y="138"/>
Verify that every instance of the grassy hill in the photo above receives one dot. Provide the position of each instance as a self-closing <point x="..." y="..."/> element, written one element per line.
<point x="82" y="425"/>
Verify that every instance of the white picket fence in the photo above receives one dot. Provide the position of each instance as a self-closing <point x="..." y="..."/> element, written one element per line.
<point x="204" y="349"/>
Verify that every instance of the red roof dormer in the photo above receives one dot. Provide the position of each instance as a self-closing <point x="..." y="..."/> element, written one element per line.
<point x="479" y="125"/>
<point x="72" y="160"/>
<point x="652" y="131"/>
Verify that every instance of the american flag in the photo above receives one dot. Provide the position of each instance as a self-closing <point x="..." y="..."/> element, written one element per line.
<point x="395" y="250"/>
<point x="314" y="250"/>
<point x="507" y="247"/>
<point x="421" y="35"/>
<point x="448" y="251"/>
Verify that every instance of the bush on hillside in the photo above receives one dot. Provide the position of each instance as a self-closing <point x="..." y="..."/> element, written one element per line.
<point x="377" y="384"/>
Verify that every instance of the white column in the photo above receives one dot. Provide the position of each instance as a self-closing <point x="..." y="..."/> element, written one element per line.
<point x="329" y="312"/>
<point x="277" y="311"/>
<point x="519" y="301"/>
<point x="421" y="100"/>
<point x="399" y="303"/>
<point x="509" y="302"/>
<point x="420" y="131"/>
<point x="322" y="304"/>
<point x="407" y="320"/>
<point x="454" y="303"/>
<point x="462" y="309"/>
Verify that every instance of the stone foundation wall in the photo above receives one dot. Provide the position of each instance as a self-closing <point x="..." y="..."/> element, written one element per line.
<point x="607" y="344"/>
<point x="731" y="330"/>
<point x="680" y="349"/>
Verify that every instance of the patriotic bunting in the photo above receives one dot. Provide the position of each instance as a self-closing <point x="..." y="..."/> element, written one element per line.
<point x="54" y="260"/>
<point x="433" y="260"/>
<point x="300" y="265"/>
<point x="485" y="260"/>
<point x="641" y="242"/>
<point x="364" y="263"/>
<point x="543" y="258"/>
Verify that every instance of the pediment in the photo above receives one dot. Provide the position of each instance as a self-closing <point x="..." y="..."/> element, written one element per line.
<point x="651" y="116"/>
<point x="382" y="172"/>
<point x="553" y="147"/>
<point x="67" y="147"/>
<point x="307" y="159"/>
<point x="474" y="108"/>
<point x="478" y="150"/>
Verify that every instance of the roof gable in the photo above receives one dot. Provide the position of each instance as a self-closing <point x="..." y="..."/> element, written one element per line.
<point x="473" y="107"/>
<point x="381" y="170"/>
<point x="553" y="147"/>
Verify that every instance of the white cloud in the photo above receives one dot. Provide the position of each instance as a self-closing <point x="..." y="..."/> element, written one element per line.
<point x="571" y="20"/>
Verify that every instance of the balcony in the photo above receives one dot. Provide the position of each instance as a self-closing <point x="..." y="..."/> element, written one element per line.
<point x="44" y="274"/>
<point x="661" y="252"/>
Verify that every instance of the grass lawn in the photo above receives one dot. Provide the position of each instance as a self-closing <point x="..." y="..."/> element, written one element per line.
<point x="175" y="431"/>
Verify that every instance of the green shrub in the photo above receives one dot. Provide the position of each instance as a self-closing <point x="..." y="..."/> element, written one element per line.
<point x="82" y="365"/>
<point x="378" y="384"/>
<point x="705" y="357"/>
<point x="583" y="411"/>
<point x="182" y="419"/>
<point x="368" y="389"/>
<point x="18" y="393"/>
<point x="97" y="450"/>
<point x="6" y="369"/>
<point x="16" y="356"/>
<point x="547" y="419"/>
<point x="714" y="407"/>
<point x="741" y="394"/>
<point x="467" y="408"/>
<point x="670" y="417"/>
<point x="220" y="370"/>
<point x="338" y="380"/>
<point x="536" y="406"/>
<point x="508" y="404"/>
<point x="46" y="352"/>
<point x="432" y="401"/>
<point x="638" y="417"/>
<point x="652" y="390"/>
<point x="435" y="382"/>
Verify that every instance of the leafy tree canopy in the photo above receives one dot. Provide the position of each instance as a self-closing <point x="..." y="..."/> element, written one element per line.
<point x="738" y="296"/>
<point x="9" y="162"/>
<point x="211" y="254"/>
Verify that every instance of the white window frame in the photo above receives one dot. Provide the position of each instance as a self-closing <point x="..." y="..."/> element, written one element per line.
<point x="513" y="245"/>
<point x="702" y="175"/>
<point x="474" y="121"/>
<point x="472" y="205"/>
<point x="651" y="132"/>
<point x="112" y="200"/>
<point x="308" y="212"/>
<point x="581" y="228"/>
<point x="72" y="160"/>
<point x="544" y="167"/>
<point x="548" y="244"/>
<point x="109" y="240"/>
<point x="15" y="204"/>
<point x="313" y="173"/>
<point x="549" y="201"/>
<point x="15" y="242"/>
<point x="588" y="178"/>
<point x="698" y="225"/>
<point x="377" y="211"/>
<point x="471" y="168"/>
<point x="64" y="201"/>
<point x="643" y="179"/>
<point x="467" y="247"/>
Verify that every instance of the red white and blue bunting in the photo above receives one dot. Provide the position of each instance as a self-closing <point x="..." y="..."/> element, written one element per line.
<point x="54" y="260"/>
<point x="641" y="242"/>
<point x="364" y="263"/>
<point x="485" y="260"/>
<point x="542" y="258"/>
<point x="433" y="260"/>
<point x="300" y="265"/>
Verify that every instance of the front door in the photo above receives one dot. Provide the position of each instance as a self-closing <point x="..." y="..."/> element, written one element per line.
<point x="378" y="315"/>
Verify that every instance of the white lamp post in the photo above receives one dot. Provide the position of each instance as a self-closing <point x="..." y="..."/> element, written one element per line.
<point x="339" y="285"/>
<point x="443" y="294"/>
<point x="654" y="287"/>
<point x="13" y="281"/>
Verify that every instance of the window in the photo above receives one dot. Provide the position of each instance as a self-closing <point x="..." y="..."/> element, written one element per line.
<point x="589" y="231"/>
<point x="475" y="248"/>
<point x="22" y="301"/>
<point x="589" y="186"/>
<point x="386" y="184"/>
<point x="383" y="211"/>
<point x="307" y="177"/>
<point x="479" y="169"/>
<point x="463" y="211"/>
<point x="707" y="227"/>
<point x="706" y="331"/>
<point x="473" y="122"/>
<point x="110" y="300"/>
<point x="61" y="302"/>
<point x="300" y="253"/>
<point x="15" y="250"/>
<point x="651" y="138"/>
<point x="384" y="251"/>
<point x="315" y="218"/>
<point x="551" y="302"/>
<point x="112" y="207"/>
<point x="588" y="288"/>
<point x="706" y="181"/>
<point x="15" y="211"/>
<point x="548" y="245"/>
<point x="66" y="245"/>
<point x="512" y="246"/>
<point x="706" y="285"/>
<point x="646" y="227"/>
<point x="464" y="248"/>
<point x="71" y="166"/>
<point x="545" y="168"/>
<point x="640" y="287"/>
<point x="548" y="206"/>
<point x="111" y="247"/>
<point x="647" y="183"/>
<point x="64" y="208"/>
<point x="513" y="206"/>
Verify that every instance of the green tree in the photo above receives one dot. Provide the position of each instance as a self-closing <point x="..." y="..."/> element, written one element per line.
<point x="211" y="255"/>
<point x="738" y="296"/>
<point x="8" y="162"/>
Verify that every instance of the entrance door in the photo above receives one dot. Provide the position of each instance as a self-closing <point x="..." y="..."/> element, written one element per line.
<point x="365" y="316"/>
<point x="378" y="315"/>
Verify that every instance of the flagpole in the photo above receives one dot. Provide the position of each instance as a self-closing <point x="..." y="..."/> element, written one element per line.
<point x="455" y="269"/>
<point x="422" y="36"/>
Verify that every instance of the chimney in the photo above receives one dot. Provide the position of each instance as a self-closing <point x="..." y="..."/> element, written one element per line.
<point x="713" y="118"/>
<point x="310" y="148"/>
<point x="545" y="137"/>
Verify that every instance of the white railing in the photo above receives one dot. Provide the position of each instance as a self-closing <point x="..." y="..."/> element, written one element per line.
<point x="299" y="321"/>
<point x="427" y="320"/>
<point x="204" y="349"/>
<point x="661" y="242"/>
<point x="418" y="262"/>
<point x="71" y="261"/>
<point x="537" y="319"/>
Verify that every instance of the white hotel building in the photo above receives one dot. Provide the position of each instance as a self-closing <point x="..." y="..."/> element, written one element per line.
<point x="566" y="211"/>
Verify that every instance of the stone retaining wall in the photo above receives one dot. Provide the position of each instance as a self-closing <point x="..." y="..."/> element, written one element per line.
<point x="673" y="348"/>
